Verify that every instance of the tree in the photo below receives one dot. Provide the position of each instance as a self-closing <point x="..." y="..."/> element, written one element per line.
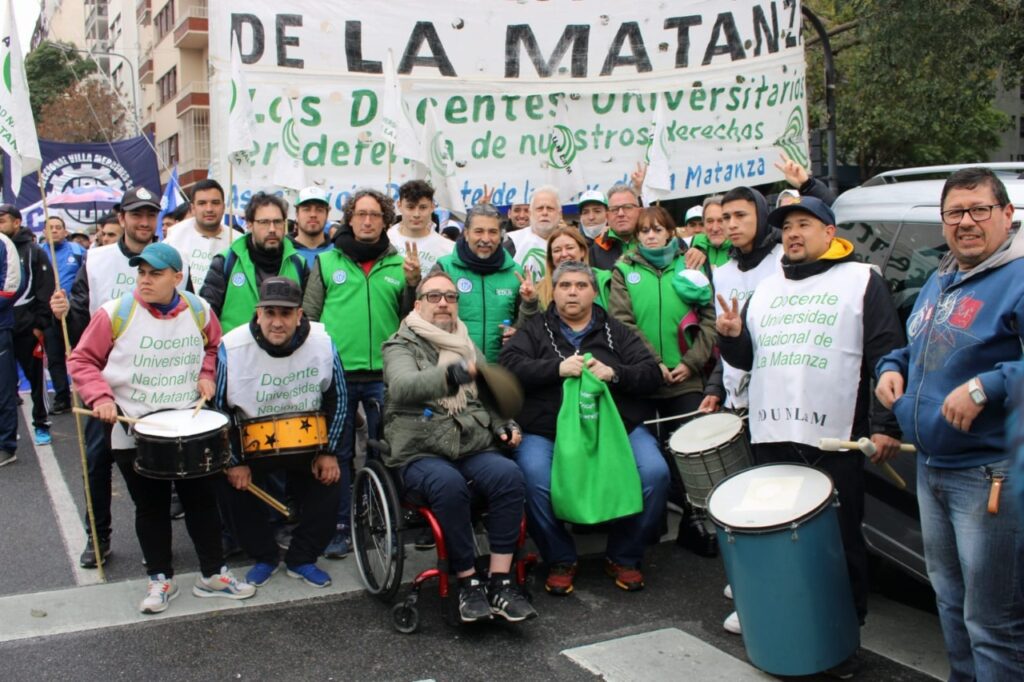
<point x="917" y="78"/>
<point x="89" y="111"/>
<point x="51" y="69"/>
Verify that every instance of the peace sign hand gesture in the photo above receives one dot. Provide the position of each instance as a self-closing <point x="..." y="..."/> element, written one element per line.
<point x="412" y="264"/>
<point x="796" y="175"/>
<point x="527" y="290"/>
<point x="729" y="323"/>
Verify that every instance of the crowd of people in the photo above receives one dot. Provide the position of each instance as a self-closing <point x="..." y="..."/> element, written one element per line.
<point x="321" y="323"/>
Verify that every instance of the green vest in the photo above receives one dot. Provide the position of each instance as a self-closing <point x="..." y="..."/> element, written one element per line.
<point x="485" y="301"/>
<point x="656" y="305"/>
<point x="241" y="283"/>
<point x="717" y="255"/>
<point x="361" y="311"/>
<point x="604" y="286"/>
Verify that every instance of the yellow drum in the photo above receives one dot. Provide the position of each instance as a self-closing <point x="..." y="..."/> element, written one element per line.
<point x="297" y="433"/>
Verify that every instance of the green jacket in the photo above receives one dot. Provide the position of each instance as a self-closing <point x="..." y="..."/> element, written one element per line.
<point x="359" y="311"/>
<point x="241" y="282"/>
<point x="413" y="382"/>
<point x="643" y="298"/>
<point x="485" y="301"/>
<point x="717" y="255"/>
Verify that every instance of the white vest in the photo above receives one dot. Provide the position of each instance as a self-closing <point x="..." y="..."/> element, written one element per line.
<point x="531" y="251"/>
<point x="808" y="337"/>
<point x="731" y="282"/>
<point x="154" y="364"/>
<point x="261" y="385"/>
<point x="109" y="275"/>
<point x="197" y="251"/>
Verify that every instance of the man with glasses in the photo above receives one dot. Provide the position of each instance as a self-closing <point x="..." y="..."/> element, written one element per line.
<point x="233" y="281"/>
<point x="430" y="371"/>
<point x="623" y="214"/>
<point x="360" y="290"/>
<point x="529" y="247"/>
<point x="948" y="389"/>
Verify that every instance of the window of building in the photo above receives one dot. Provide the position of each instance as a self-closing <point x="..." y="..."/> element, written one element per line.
<point x="167" y="85"/>
<point x="168" y="150"/>
<point x="164" y="20"/>
<point x="1022" y="126"/>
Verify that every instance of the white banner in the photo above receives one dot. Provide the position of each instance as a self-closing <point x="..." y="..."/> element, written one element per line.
<point x="506" y="78"/>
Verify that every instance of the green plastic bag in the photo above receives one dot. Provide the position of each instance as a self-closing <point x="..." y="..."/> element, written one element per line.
<point x="593" y="473"/>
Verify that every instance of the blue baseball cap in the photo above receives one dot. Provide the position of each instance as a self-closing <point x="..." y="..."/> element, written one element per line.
<point x="816" y="207"/>
<point x="159" y="256"/>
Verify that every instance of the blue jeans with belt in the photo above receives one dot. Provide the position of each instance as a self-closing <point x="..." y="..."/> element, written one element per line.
<point x="975" y="563"/>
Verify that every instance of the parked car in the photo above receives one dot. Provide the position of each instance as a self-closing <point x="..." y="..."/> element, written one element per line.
<point x="893" y="222"/>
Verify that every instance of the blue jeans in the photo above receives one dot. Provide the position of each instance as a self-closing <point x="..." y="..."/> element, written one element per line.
<point x="976" y="566"/>
<point x="358" y="392"/>
<point x="628" y="536"/>
<point x="9" y="394"/>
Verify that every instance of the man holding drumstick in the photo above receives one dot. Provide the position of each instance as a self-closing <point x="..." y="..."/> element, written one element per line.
<point x="155" y="326"/>
<point x="810" y="337"/>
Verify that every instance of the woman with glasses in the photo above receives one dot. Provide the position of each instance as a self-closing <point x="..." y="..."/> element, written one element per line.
<point x="670" y="307"/>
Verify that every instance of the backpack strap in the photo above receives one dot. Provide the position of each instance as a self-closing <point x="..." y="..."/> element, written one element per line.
<point x="122" y="314"/>
<point x="195" y="307"/>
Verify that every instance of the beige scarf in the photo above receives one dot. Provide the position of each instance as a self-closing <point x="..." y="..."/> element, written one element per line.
<point x="451" y="348"/>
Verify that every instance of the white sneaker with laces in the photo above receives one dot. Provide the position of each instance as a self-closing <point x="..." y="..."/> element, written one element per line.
<point x="223" y="584"/>
<point x="159" y="593"/>
<point x="732" y="624"/>
<point x="727" y="592"/>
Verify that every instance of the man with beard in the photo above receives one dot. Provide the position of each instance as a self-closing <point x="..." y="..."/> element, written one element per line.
<point x="199" y="238"/>
<point x="360" y="290"/>
<point x="529" y="247"/>
<point x="233" y="280"/>
<point x="623" y="214"/>
<point x="416" y="231"/>
<point x="593" y="215"/>
<point x="311" y="211"/>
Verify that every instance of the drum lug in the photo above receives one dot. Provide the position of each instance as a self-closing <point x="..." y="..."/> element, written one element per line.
<point x="795" y="536"/>
<point x="730" y="538"/>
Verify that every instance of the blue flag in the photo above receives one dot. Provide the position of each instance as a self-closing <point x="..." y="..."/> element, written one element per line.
<point x="173" y="198"/>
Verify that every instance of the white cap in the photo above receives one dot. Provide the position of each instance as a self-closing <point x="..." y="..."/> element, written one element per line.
<point x="694" y="212"/>
<point x="312" y="194"/>
<point x="593" y="196"/>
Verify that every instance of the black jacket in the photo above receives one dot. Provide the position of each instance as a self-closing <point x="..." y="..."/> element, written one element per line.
<point x="534" y="353"/>
<point x="32" y="306"/>
<point x="882" y="334"/>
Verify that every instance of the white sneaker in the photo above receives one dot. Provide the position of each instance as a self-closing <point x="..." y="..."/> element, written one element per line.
<point x="732" y="624"/>
<point x="159" y="593"/>
<point x="728" y="592"/>
<point x="222" y="584"/>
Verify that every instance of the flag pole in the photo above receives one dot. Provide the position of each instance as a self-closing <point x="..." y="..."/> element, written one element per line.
<point x="391" y="153"/>
<point x="75" y="397"/>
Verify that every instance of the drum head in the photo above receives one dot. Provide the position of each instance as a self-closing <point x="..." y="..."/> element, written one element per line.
<point x="705" y="433"/>
<point x="769" y="496"/>
<point x="179" y="423"/>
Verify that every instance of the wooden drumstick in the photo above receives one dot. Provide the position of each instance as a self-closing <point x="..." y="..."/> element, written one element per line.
<point x="678" y="416"/>
<point x="268" y="499"/>
<point x="868" y="448"/>
<point x="90" y="413"/>
<point x="199" y="406"/>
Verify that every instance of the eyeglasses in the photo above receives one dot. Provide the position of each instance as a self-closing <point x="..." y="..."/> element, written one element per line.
<point x="955" y="216"/>
<point x="363" y="215"/>
<point x="436" y="296"/>
<point x="267" y="222"/>
<point x="651" y="228"/>
<point x="624" y="208"/>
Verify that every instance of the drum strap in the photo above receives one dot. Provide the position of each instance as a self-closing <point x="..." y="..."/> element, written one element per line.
<point x="127" y="304"/>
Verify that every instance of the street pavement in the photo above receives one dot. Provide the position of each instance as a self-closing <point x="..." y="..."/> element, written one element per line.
<point x="56" y="623"/>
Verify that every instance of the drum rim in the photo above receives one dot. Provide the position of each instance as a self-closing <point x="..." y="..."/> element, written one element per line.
<point x="717" y="415"/>
<point x="282" y="415"/>
<point x="178" y="437"/>
<point x="762" y="530"/>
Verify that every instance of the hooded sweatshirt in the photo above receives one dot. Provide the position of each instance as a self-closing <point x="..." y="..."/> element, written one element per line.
<point x="32" y="306"/>
<point x="964" y="325"/>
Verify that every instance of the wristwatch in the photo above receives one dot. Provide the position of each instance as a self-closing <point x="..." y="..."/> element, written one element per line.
<point x="976" y="391"/>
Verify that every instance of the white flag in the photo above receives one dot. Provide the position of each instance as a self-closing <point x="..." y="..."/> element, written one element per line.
<point x="564" y="171"/>
<point x="395" y="127"/>
<point x="441" y="168"/>
<point x="658" y="181"/>
<point x="289" y="170"/>
<point x="241" y="118"/>
<point x="17" y="127"/>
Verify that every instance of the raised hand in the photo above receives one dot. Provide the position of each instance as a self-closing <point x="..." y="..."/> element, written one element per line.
<point x="411" y="266"/>
<point x="729" y="323"/>
<point x="637" y="177"/>
<point x="796" y="175"/>
<point x="527" y="288"/>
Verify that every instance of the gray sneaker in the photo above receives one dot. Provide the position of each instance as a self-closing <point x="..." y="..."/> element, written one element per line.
<point x="509" y="602"/>
<point x="473" y="605"/>
<point x="7" y="457"/>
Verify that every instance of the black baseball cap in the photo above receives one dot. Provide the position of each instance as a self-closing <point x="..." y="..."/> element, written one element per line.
<point x="11" y="210"/>
<point x="816" y="207"/>
<point x="139" y="197"/>
<point x="281" y="292"/>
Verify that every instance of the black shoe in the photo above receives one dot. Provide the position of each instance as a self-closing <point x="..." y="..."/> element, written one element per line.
<point x="7" y="458"/>
<point x="845" y="670"/>
<point x="473" y="605"/>
<point x="88" y="558"/>
<point x="60" y="406"/>
<point x="424" y="539"/>
<point x="508" y="601"/>
<point x="694" y="534"/>
<point x="177" y="510"/>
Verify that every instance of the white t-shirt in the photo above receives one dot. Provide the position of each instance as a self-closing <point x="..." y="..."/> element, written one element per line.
<point x="431" y="248"/>
<point x="197" y="250"/>
<point x="531" y="251"/>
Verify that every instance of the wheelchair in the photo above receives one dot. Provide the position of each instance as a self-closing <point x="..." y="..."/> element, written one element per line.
<point x="378" y="522"/>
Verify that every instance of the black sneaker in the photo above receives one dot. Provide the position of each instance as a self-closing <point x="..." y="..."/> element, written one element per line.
<point x="60" y="406"/>
<point x="88" y="558"/>
<point x="509" y="602"/>
<point x="177" y="509"/>
<point x="424" y="539"/>
<point x="7" y="457"/>
<point x="473" y="604"/>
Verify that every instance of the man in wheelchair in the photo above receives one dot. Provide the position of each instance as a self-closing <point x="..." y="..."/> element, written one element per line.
<point x="443" y="442"/>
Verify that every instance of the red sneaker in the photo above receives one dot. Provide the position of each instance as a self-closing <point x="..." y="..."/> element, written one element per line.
<point x="560" y="578"/>
<point x="628" y="578"/>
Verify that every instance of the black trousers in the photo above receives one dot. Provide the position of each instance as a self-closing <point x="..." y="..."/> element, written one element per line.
<point x="847" y="472"/>
<point x="152" y="498"/>
<point x="57" y="362"/>
<point x="249" y="521"/>
<point x="668" y="407"/>
<point x="24" y="347"/>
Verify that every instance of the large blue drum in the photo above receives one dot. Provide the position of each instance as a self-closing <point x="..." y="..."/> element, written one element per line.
<point x="779" y="537"/>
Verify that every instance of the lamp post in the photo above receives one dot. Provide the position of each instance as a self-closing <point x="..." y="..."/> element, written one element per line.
<point x="131" y="76"/>
<point x="830" y="95"/>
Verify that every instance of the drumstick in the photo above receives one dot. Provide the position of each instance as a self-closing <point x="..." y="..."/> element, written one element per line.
<point x="678" y="416"/>
<point x="199" y="406"/>
<point x="868" y="448"/>
<point x="90" y="413"/>
<point x="268" y="498"/>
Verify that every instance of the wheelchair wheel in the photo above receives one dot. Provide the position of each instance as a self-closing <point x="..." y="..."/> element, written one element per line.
<point x="376" y="538"/>
<point x="405" y="618"/>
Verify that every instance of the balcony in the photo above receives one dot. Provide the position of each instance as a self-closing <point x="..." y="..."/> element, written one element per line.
<point x="192" y="31"/>
<point x="146" y="72"/>
<point x="144" y="12"/>
<point x="194" y="95"/>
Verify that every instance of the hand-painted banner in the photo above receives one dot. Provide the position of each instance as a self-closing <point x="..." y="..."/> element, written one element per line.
<point x="524" y="91"/>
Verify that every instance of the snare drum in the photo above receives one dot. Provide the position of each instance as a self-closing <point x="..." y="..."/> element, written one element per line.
<point x="297" y="433"/>
<point x="778" y="532"/>
<point x="707" y="450"/>
<point x="173" y="444"/>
